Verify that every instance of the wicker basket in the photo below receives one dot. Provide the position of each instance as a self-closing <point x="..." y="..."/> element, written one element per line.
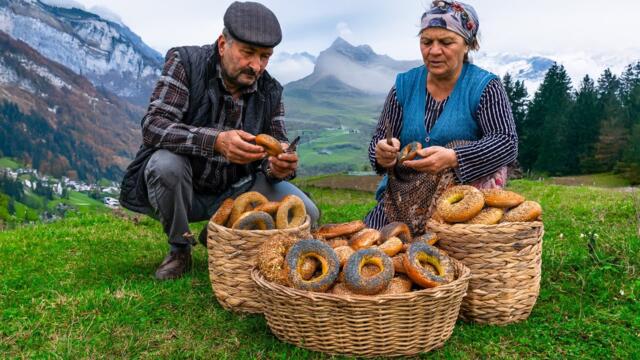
<point x="390" y="325"/>
<point x="505" y="262"/>
<point x="231" y="258"/>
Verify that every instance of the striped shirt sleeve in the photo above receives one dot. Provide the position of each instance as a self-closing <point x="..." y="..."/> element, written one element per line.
<point x="498" y="145"/>
<point x="162" y="125"/>
<point x="390" y="117"/>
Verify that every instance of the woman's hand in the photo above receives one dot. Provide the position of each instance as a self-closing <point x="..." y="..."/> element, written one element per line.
<point x="236" y="146"/>
<point x="386" y="155"/>
<point x="283" y="165"/>
<point x="434" y="160"/>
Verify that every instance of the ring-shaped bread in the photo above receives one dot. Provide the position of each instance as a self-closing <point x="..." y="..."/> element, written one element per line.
<point x="357" y="282"/>
<point x="460" y="203"/>
<point x="318" y="250"/>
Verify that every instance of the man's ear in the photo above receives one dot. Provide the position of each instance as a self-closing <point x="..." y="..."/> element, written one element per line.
<point x="222" y="43"/>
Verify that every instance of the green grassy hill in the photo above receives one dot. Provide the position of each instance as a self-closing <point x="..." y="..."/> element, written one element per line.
<point x="83" y="288"/>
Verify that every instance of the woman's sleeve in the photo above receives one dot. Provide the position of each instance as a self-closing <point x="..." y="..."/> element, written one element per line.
<point x="391" y="116"/>
<point x="498" y="145"/>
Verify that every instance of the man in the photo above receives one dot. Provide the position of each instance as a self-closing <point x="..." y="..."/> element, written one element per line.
<point x="199" y="129"/>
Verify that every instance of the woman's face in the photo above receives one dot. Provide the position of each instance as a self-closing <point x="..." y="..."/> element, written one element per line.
<point x="442" y="52"/>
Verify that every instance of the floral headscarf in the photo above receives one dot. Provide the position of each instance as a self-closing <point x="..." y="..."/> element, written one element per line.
<point x="456" y="16"/>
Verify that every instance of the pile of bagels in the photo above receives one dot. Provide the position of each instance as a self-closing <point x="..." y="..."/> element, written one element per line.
<point x="351" y="259"/>
<point x="468" y="205"/>
<point x="253" y="211"/>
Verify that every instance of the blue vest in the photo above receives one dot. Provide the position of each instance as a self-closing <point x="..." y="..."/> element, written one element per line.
<point x="457" y="120"/>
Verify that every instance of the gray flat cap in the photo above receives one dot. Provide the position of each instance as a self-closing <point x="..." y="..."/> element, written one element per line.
<point x="253" y="23"/>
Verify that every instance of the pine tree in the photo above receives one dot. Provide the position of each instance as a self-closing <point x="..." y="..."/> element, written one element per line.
<point x="584" y="125"/>
<point x="544" y="132"/>
<point x="517" y="93"/>
<point x="613" y="134"/>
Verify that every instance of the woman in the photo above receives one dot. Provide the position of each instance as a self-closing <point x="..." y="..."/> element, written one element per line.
<point x="459" y="112"/>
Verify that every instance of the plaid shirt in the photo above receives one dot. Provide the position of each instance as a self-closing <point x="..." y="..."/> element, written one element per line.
<point x="163" y="127"/>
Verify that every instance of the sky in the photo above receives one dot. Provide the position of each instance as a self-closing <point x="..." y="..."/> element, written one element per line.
<point x="390" y="27"/>
<point x="584" y="36"/>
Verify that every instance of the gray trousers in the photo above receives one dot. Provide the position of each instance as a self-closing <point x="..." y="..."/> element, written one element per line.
<point x="175" y="203"/>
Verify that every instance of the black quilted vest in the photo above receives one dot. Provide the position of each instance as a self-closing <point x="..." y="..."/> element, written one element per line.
<point x="204" y="107"/>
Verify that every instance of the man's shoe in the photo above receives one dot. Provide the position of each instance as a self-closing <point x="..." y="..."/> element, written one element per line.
<point x="174" y="265"/>
<point x="202" y="238"/>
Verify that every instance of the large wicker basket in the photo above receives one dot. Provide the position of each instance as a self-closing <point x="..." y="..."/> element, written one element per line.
<point x="505" y="262"/>
<point x="231" y="258"/>
<point x="390" y="325"/>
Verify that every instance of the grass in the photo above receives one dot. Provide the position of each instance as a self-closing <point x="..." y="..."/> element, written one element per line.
<point x="9" y="163"/>
<point x="83" y="288"/>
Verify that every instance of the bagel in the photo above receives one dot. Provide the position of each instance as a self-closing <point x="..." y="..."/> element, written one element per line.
<point x="343" y="252"/>
<point x="409" y="152"/>
<point x="330" y="231"/>
<point x="359" y="283"/>
<point x="338" y="242"/>
<point x="501" y="198"/>
<point x="254" y="220"/>
<point x="428" y="238"/>
<point x="270" y="258"/>
<point x="398" y="265"/>
<point x="416" y="263"/>
<point x="527" y="211"/>
<point x="396" y="229"/>
<point x="341" y="289"/>
<point x="291" y="212"/>
<point x="308" y="268"/>
<point x="487" y="216"/>
<point x="398" y="285"/>
<point x="270" y="207"/>
<point x="392" y="246"/>
<point x="460" y="203"/>
<point x="318" y="250"/>
<point x="222" y="214"/>
<point x="365" y="238"/>
<point x="270" y="144"/>
<point x="245" y="202"/>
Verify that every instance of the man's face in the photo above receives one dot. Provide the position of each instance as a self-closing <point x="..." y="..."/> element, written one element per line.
<point x="242" y="64"/>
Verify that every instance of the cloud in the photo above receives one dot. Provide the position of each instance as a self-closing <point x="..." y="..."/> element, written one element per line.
<point x="287" y="67"/>
<point x="344" y="31"/>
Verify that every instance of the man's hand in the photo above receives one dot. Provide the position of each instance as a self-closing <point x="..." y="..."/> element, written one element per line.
<point x="236" y="146"/>
<point x="434" y="160"/>
<point x="386" y="155"/>
<point x="284" y="164"/>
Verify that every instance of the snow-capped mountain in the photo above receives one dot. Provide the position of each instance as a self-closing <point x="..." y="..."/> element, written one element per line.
<point x="105" y="51"/>
<point x="58" y="121"/>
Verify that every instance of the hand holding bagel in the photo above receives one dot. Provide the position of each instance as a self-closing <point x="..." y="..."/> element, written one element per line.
<point x="283" y="165"/>
<point x="386" y="155"/>
<point x="237" y="147"/>
<point x="434" y="159"/>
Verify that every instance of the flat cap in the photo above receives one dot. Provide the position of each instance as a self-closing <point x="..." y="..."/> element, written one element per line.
<point x="253" y="23"/>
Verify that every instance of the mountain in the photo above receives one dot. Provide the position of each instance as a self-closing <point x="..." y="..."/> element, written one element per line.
<point x="58" y="122"/>
<point x="104" y="51"/>
<point x="359" y="70"/>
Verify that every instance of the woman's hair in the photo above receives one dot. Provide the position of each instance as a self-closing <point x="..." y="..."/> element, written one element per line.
<point x="474" y="45"/>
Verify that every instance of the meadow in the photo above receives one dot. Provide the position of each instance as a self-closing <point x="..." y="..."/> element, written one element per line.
<point x="83" y="287"/>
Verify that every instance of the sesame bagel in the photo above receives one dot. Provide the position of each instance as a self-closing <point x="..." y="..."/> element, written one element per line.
<point x="270" y="258"/>
<point x="487" y="216"/>
<point x="392" y="246"/>
<point x="460" y="203"/>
